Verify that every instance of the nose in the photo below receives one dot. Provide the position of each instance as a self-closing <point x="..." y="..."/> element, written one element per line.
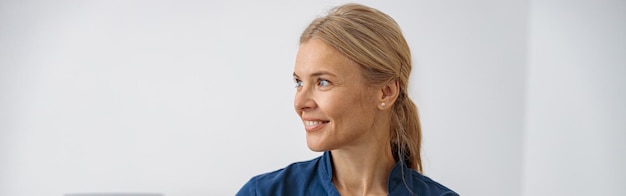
<point x="303" y="100"/>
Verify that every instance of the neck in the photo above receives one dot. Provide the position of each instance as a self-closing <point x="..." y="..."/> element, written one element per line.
<point x="363" y="170"/>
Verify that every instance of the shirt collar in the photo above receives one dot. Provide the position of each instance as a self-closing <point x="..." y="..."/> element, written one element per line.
<point x="399" y="177"/>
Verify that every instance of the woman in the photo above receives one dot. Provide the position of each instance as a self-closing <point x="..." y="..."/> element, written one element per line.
<point x="351" y="73"/>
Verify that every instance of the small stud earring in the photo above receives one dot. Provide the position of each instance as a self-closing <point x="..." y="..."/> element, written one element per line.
<point x="382" y="104"/>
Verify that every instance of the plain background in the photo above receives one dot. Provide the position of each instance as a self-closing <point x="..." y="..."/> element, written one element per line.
<point x="184" y="98"/>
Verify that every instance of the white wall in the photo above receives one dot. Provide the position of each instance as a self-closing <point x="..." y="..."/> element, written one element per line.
<point x="195" y="97"/>
<point x="469" y="84"/>
<point x="576" y="130"/>
<point x="181" y="98"/>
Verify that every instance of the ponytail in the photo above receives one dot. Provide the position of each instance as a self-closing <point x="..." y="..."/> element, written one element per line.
<point x="406" y="133"/>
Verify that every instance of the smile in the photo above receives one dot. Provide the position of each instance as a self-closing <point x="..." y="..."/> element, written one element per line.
<point x="314" y="125"/>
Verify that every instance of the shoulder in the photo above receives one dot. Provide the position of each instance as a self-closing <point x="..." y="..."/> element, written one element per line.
<point x="427" y="186"/>
<point x="294" y="170"/>
<point x="286" y="181"/>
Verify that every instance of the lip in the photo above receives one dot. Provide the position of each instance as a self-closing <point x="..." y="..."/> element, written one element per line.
<point x="311" y="125"/>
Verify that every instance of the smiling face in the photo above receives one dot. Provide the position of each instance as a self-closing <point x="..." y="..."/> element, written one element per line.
<point x="334" y="101"/>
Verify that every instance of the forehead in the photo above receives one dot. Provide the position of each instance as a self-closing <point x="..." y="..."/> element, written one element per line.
<point x="315" y="56"/>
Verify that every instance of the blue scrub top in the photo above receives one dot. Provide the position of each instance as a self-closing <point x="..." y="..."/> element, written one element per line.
<point x="314" y="177"/>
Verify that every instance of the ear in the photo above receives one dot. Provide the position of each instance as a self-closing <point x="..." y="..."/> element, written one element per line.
<point x="389" y="93"/>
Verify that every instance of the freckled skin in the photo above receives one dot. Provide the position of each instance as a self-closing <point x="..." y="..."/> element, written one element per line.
<point x="346" y="101"/>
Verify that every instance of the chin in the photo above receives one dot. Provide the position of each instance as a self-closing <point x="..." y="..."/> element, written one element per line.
<point x="315" y="146"/>
<point x="317" y="150"/>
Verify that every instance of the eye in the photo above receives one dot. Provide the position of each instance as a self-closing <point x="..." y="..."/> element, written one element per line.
<point x="323" y="82"/>
<point x="298" y="82"/>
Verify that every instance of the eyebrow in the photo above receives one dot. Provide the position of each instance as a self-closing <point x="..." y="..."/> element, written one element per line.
<point x="319" y="73"/>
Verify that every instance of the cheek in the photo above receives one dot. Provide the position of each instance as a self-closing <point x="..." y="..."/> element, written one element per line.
<point x="332" y="105"/>
<point x="346" y="105"/>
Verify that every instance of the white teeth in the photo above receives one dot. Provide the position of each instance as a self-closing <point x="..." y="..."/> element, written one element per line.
<point x="312" y="123"/>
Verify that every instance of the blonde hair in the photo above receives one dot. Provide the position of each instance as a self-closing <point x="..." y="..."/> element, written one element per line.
<point x="374" y="41"/>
